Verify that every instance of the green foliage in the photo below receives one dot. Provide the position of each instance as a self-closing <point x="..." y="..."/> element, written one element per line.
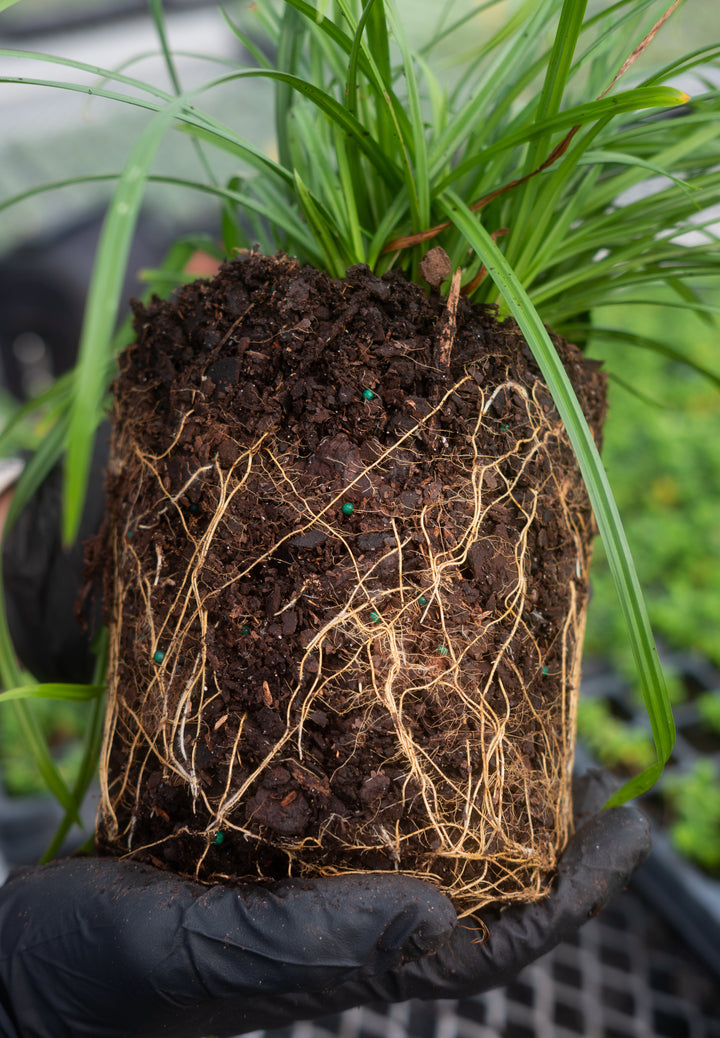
<point x="613" y="743"/>
<point x="708" y="705"/>
<point x="514" y="163"/>
<point x="62" y="726"/>
<point x="694" y="799"/>
<point x="662" y="454"/>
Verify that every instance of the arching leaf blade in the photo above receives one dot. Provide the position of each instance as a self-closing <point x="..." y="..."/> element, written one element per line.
<point x="630" y="596"/>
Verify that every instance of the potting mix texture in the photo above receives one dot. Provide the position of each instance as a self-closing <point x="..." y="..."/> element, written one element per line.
<point x="345" y="565"/>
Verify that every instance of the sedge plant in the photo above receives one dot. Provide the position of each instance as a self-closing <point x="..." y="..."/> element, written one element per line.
<point x="528" y="161"/>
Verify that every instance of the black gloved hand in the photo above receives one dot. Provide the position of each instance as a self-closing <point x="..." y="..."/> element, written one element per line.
<point x="107" y="948"/>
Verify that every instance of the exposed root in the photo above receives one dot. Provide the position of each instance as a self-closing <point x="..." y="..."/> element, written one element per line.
<point x="402" y="636"/>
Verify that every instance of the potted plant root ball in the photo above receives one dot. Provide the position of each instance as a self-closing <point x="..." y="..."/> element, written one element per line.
<point x="354" y="477"/>
<point x="347" y="549"/>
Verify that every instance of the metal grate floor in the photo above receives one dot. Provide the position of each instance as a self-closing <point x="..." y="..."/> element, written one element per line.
<point x="625" y="975"/>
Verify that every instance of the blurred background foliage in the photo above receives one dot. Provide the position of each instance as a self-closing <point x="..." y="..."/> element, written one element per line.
<point x="662" y="453"/>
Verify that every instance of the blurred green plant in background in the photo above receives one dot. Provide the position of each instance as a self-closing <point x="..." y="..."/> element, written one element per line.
<point x="662" y="453"/>
<point x="694" y="801"/>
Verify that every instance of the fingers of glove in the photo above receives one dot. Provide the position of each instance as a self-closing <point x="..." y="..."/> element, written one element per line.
<point x="299" y="936"/>
<point x="597" y="864"/>
<point x="300" y="943"/>
<point x="111" y="948"/>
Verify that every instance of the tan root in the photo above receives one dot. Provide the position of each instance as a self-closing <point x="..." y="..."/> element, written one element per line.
<point x="402" y="648"/>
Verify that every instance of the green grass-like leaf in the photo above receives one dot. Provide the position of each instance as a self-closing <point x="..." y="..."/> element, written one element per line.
<point x="618" y="552"/>
<point x="68" y="693"/>
<point x="90" y="383"/>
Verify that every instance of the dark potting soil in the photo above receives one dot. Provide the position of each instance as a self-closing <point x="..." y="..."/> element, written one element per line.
<point x="348" y="548"/>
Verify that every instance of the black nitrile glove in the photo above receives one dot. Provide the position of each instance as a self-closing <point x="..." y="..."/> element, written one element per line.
<point x="99" y="947"/>
<point x="42" y="581"/>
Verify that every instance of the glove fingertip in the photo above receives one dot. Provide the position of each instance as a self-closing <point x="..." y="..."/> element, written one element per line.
<point x="426" y="924"/>
<point x="603" y="855"/>
<point x="619" y="837"/>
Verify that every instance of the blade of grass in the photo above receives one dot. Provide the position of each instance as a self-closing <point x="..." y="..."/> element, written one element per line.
<point x="379" y="40"/>
<point x="607" y="157"/>
<point x="565" y="309"/>
<point x="442" y="31"/>
<point x="335" y="263"/>
<point x="351" y="83"/>
<point x="690" y="294"/>
<point x="43" y="761"/>
<point x="96" y="71"/>
<point x="278" y="212"/>
<point x="628" y="101"/>
<point x="290" y="47"/>
<point x="355" y="183"/>
<point x="194" y="121"/>
<point x="36" y="470"/>
<point x="248" y="43"/>
<point x="582" y="113"/>
<point x="158" y="16"/>
<point x="617" y="272"/>
<point x="378" y="88"/>
<point x="470" y="123"/>
<point x="93" y="742"/>
<point x="634" y="391"/>
<point x="569" y="211"/>
<point x="101" y="314"/>
<point x="676" y="150"/>
<point x="347" y="182"/>
<point x="533" y="245"/>
<point x="519" y="207"/>
<point x="415" y="147"/>
<point x="12" y="677"/>
<point x="602" y="333"/>
<point x="45" y="765"/>
<point x="688" y="62"/>
<point x="334" y="110"/>
<point x="51" y="402"/>
<point x="10" y="673"/>
<point x="611" y="530"/>
<point x="378" y="45"/>
<point x="67" y="693"/>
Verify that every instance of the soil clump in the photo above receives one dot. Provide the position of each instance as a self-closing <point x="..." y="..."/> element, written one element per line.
<point x="345" y="567"/>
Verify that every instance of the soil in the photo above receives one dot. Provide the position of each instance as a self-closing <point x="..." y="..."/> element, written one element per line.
<point x="345" y="569"/>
